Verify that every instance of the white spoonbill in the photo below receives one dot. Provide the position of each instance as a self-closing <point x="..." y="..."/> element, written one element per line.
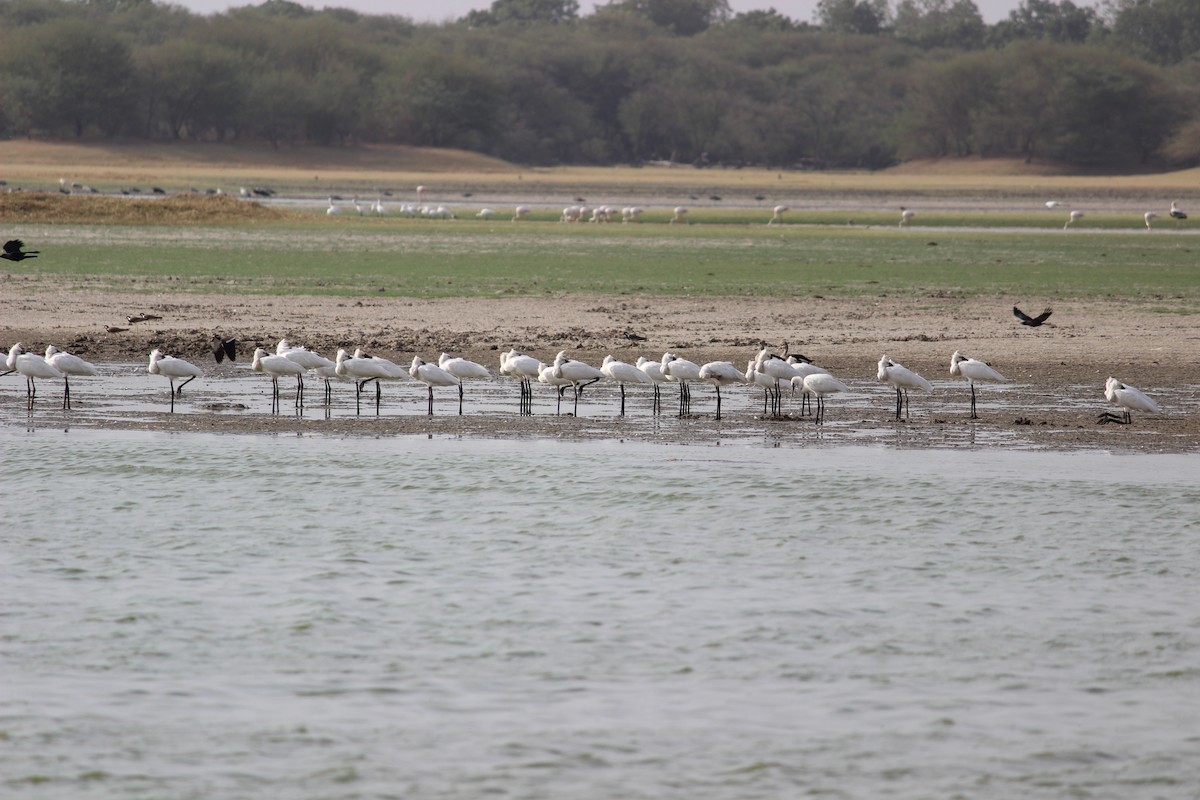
<point x="653" y="370"/>
<point x="778" y="369"/>
<point x="901" y="379"/>
<point x="679" y="215"/>
<point x="756" y="378"/>
<point x="973" y="370"/>
<point x="821" y="384"/>
<point x="577" y="372"/>
<point x="314" y="362"/>
<point x="277" y="366"/>
<point x="623" y="373"/>
<point x="1054" y="204"/>
<point x="520" y="212"/>
<point x="363" y="369"/>
<point x="431" y="375"/>
<point x="525" y="369"/>
<point x="720" y="373"/>
<point x="1149" y="216"/>
<point x="173" y="368"/>
<point x="464" y="370"/>
<point x="1072" y="218"/>
<point x="546" y="376"/>
<point x="777" y="216"/>
<point x="681" y="371"/>
<point x="68" y="365"/>
<point x="32" y="366"/>
<point x="906" y="215"/>
<point x="1128" y="398"/>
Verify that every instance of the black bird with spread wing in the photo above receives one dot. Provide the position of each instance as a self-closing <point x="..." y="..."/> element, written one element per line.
<point x="222" y="347"/>
<point x="14" y="250"/>
<point x="1032" y="322"/>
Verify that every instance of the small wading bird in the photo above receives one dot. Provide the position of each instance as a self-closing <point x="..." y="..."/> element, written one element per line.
<point x="14" y="250"/>
<point x="277" y="366"/>
<point x="1127" y="397"/>
<point x="1176" y="212"/>
<point x="906" y="215"/>
<point x="1032" y="322"/>
<point x="973" y="370"/>
<point x="68" y="365"/>
<point x="1149" y="216"/>
<point x="172" y="368"/>
<point x="32" y="366"/>
<point x="1072" y="218"/>
<point x="223" y="348"/>
<point x="901" y="379"/>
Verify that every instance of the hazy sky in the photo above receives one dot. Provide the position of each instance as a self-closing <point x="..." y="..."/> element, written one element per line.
<point x="441" y="10"/>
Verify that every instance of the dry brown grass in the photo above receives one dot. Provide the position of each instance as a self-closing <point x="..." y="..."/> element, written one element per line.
<point x="43" y="207"/>
<point x="316" y="171"/>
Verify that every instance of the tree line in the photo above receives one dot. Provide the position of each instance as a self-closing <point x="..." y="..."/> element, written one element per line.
<point x="866" y="84"/>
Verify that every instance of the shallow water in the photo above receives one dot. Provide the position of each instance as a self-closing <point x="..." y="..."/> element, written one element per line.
<point x="199" y="616"/>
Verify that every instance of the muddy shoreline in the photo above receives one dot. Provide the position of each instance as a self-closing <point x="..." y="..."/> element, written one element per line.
<point x="1056" y="371"/>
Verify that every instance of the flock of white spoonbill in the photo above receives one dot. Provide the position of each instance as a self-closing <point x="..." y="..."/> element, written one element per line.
<point x="766" y="370"/>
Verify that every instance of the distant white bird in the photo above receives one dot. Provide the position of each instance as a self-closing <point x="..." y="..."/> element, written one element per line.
<point x="431" y="375"/>
<point x="464" y="370"/>
<point x="68" y="365"/>
<point x="1176" y="212"/>
<point x="486" y="213"/>
<point x="906" y="215"/>
<point x="1055" y="204"/>
<point x="623" y="373"/>
<point x="525" y="369"/>
<point x="720" y="373"/>
<point x="901" y="379"/>
<point x="333" y="209"/>
<point x="681" y="371"/>
<point x="420" y="194"/>
<point x="1072" y="218"/>
<point x="653" y="370"/>
<point x="32" y="366"/>
<point x="364" y="369"/>
<point x="756" y="378"/>
<point x="520" y="212"/>
<point x="679" y="215"/>
<point x="973" y="370"/>
<point x="277" y="366"/>
<point x="821" y="384"/>
<point x="777" y="215"/>
<point x="1148" y="216"/>
<point x="631" y="214"/>
<point x="173" y="368"/>
<point x="378" y="207"/>
<point x="577" y="372"/>
<point x="1128" y="398"/>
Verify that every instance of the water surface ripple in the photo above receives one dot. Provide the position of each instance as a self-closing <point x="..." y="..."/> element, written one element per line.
<point x="204" y="616"/>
